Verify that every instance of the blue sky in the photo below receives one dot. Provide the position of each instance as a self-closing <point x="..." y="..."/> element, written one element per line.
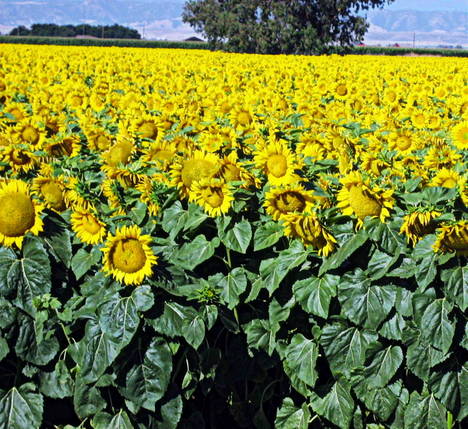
<point x="425" y="5"/>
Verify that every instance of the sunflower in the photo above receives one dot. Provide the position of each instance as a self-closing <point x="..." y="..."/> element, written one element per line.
<point x="127" y="255"/>
<point x="198" y="165"/>
<point x="159" y="154"/>
<point x="19" y="159"/>
<point x="51" y="190"/>
<point x="358" y="198"/>
<point x="310" y="231"/>
<point x="441" y="157"/>
<point x="28" y="131"/>
<point x="402" y="140"/>
<point x="88" y="228"/>
<point x="19" y="213"/>
<point x="214" y="195"/>
<point x="419" y="223"/>
<point x="64" y="146"/>
<point x="285" y="200"/>
<point x="277" y="162"/>
<point x="460" y="135"/>
<point x="149" y="188"/>
<point x="452" y="238"/>
<point x="231" y="170"/>
<point x="447" y="178"/>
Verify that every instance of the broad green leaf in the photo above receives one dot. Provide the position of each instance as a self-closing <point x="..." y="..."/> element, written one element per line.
<point x="346" y="347"/>
<point x="267" y="234"/>
<point x="95" y="352"/>
<point x="29" y="276"/>
<point x="119" y="421"/>
<point x="143" y="298"/>
<point x="171" y="412"/>
<point x="384" y="366"/>
<point x="289" y="416"/>
<point x="387" y="236"/>
<point x="178" y="320"/>
<point x="455" y="283"/>
<point x="260" y="335"/>
<point x="27" y="345"/>
<point x="314" y="294"/>
<point x="421" y="357"/>
<point x="337" y="406"/>
<point x="4" y="349"/>
<point x="57" y="384"/>
<point x="301" y="355"/>
<point x="424" y="412"/>
<point x="364" y="304"/>
<point x="174" y="219"/>
<point x="279" y="313"/>
<point x="87" y="399"/>
<point x="21" y="408"/>
<point x="193" y="253"/>
<point x="238" y="237"/>
<point x="274" y="270"/>
<point x="446" y="387"/>
<point x="57" y="238"/>
<point x="380" y="263"/>
<point x="463" y="393"/>
<point x="392" y="329"/>
<point x="147" y="381"/>
<point x="436" y="326"/>
<point x="83" y="261"/>
<point x="337" y="258"/>
<point x="8" y="259"/>
<point x="232" y="286"/>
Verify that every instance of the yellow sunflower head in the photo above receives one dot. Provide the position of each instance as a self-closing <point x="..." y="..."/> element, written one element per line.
<point x="88" y="228"/>
<point x="159" y="154"/>
<point x="356" y="197"/>
<point x="127" y="255"/>
<point x="447" y="178"/>
<point x="419" y="223"/>
<point x="460" y="135"/>
<point x="452" y="238"/>
<point x="19" y="159"/>
<point x="285" y="200"/>
<point x="19" y="213"/>
<point x="310" y="231"/>
<point x="214" y="195"/>
<point x="51" y="190"/>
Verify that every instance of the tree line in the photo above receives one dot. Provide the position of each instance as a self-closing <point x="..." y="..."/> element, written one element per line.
<point x="53" y="30"/>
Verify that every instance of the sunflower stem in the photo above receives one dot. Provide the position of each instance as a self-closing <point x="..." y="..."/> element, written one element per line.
<point x="228" y="254"/>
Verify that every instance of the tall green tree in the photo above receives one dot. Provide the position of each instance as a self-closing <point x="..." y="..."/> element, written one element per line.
<point x="280" y="26"/>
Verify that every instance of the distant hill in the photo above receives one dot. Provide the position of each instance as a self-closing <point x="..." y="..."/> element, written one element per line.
<point x="161" y="19"/>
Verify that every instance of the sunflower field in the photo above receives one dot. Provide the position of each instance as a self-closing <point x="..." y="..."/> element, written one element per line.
<point x="195" y="239"/>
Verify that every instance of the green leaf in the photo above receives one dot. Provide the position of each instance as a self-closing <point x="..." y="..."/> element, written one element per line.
<point x="233" y="285"/>
<point x="95" y="352"/>
<point x="393" y="329"/>
<point x="301" y="355"/>
<point x="344" y="252"/>
<point x="384" y="366"/>
<point x="147" y="381"/>
<point x="455" y="284"/>
<point x="191" y="254"/>
<point x="181" y="321"/>
<point x="27" y="345"/>
<point x="4" y="349"/>
<point x="290" y="416"/>
<point x="260" y="335"/>
<point x="421" y="357"/>
<point x="424" y="412"/>
<point x="337" y="406"/>
<point x="380" y="263"/>
<point x="364" y="304"/>
<point x="267" y="234"/>
<point x="314" y="294"/>
<point x="57" y="238"/>
<point x="21" y="408"/>
<point x="274" y="270"/>
<point x="119" y="421"/>
<point x="87" y="399"/>
<point x="57" y="384"/>
<point x="387" y="236"/>
<point x="446" y="387"/>
<point x="346" y="347"/>
<point x="436" y="326"/>
<point x="83" y="261"/>
<point x="238" y="237"/>
<point x="171" y="412"/>
<point x="174" y="219"/>
<point x="7" y="260"/>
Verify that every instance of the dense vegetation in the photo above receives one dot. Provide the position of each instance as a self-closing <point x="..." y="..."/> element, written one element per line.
<point x="53" y="30"/>
<point x="194" y="239"/>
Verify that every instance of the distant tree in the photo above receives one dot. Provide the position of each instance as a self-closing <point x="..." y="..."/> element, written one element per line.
<point x="20" y="31"/>
<point x="279" y="26"/>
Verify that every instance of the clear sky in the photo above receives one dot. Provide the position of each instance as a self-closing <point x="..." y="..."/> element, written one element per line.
<point x="424" y="5"/>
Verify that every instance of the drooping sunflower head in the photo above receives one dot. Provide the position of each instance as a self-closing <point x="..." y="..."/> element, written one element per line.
<point x="62" y="147"/>
<point x="448" y="178"/>
<point x="419" y="223"/>
<point x="51" y="190"/>
<point x="452" y="238"/>
<point x="288" y="199"/>
<point x="19" y="158"/>
<point x="310" y="231"/>
<point x="213" y="195"/>
<point x="196" y="166"/>
<point x="19" y="213"/>
<point x="88" y="228"/>
<point x="358" y="198"/>
<point x="127" y="255"/>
